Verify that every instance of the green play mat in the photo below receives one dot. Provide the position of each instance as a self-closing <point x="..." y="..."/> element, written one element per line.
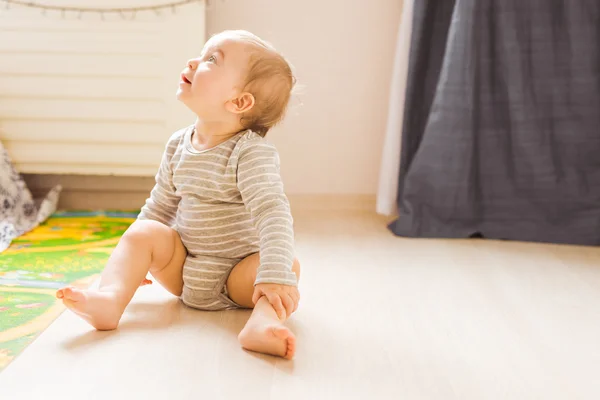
<point x="70" y="248"/>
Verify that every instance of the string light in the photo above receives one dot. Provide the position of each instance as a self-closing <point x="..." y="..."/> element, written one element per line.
<point x="122" y="11"/>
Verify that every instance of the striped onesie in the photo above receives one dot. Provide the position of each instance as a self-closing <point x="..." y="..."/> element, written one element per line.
<point x="226" y="203"/>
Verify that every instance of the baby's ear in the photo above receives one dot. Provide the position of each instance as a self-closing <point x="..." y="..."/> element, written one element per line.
<point x="241" y="104"/>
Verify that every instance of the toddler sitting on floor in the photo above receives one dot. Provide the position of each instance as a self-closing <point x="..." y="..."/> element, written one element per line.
<point x="217" y="228"/>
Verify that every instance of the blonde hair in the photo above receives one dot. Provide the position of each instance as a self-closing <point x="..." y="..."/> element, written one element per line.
<point x="269" y="79"/>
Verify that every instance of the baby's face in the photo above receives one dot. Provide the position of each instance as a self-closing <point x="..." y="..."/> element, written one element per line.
<point x="215" y="77"/>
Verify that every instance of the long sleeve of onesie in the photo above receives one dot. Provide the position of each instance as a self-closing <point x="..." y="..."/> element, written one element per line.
<point x="162" y="204"/>
<point x="261" y="188"/>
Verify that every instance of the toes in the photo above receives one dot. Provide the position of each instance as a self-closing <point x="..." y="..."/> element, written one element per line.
<point x="273" y="340"/>
<point x="68" y="293"/>
<point x="291" y="347"/>
<point x="290" y="354"/>
<point x="281" y="332"/>
<point x="73" y="294"/>
<point x="61" y="293"/>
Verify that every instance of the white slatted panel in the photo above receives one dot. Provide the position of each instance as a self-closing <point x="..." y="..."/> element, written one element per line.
<point x="90" y="96"/>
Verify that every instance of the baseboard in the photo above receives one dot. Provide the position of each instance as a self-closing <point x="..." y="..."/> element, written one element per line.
<point x="118" y="192"/>
<point x="333" y="202"/>
<point x="93" y="192"/>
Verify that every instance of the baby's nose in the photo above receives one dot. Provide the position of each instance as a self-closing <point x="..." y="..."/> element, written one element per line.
<point x="192" y="64"/>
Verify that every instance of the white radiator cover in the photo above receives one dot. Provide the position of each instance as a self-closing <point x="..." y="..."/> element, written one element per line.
<point x="90" y="96"/>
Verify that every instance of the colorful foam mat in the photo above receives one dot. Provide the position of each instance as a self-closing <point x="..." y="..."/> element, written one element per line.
<point x="70" y="248"/>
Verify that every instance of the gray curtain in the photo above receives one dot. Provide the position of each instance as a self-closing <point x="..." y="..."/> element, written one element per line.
<point x="501" y="131"/>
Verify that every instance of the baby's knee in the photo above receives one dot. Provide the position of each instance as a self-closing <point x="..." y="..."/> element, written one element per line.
<point x="146" y="231"/>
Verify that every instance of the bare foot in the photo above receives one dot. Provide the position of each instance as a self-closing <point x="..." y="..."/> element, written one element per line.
<point x="268" y="337"/>
<point x="99" y="309"/>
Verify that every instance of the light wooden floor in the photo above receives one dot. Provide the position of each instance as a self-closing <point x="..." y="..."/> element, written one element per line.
<point x="381" y="318"/>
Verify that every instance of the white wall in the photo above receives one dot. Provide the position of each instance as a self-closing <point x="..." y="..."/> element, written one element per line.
<point x="90" y="96"/>
<point x="331" y="144"/>
<point x="343" y="52"/>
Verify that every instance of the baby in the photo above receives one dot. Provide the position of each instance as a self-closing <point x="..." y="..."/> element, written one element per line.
<point x="217" y="204"/>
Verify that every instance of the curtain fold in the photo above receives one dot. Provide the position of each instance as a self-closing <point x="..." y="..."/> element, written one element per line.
<point x="501" y="123"/>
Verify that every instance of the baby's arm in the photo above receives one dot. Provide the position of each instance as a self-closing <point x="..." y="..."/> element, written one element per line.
<point x="261" y="188"/>
<point x="162" y="204"/>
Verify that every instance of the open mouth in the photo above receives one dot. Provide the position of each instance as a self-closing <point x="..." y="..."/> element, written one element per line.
<point x="184" y="79"/>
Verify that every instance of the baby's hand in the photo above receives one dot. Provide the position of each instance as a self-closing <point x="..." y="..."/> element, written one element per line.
<point x="283" y="298"/>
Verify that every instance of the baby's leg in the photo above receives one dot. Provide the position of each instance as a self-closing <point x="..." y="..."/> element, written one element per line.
<point x="146" y="246"/>
<point x="264" y="332"/>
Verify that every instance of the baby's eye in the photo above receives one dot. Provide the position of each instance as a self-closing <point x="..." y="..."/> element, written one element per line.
<point x="212" y="59"/>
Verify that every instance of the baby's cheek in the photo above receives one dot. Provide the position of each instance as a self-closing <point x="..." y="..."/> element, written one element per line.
<point x="198" y="90"/>
<point x="202" y="85"/>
